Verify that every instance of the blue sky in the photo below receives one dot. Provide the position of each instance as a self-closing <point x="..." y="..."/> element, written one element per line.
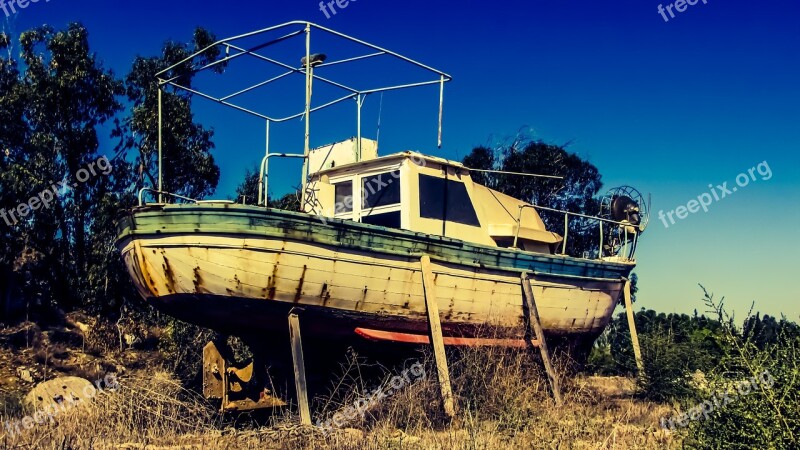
<point x="668" y="107"/>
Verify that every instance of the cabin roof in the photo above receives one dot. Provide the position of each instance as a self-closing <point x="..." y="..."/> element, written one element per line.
<point x="383" y="160"/>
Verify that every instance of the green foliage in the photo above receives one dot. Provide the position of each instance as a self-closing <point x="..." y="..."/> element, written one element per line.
<point x="188" y="166"/>
<point x="674" y="347"/>
<point x="248" y="190"/>
<point x="693" y="359"/>
<point x="51" y="111"/>
<point x="55" y="96"/>
<point x="768" y="417"/>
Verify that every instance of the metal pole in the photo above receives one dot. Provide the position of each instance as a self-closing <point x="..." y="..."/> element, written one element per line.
<point x="566" y="233"/>
<point x="261" y="173"/>
<point x="625" y="247"/>
<point x="160" y="143"/>
<point x="600" y="252"/>
<point x="441" y="108"/>
<point x="519" y="225"/>
<point x="307" y="146"/>
<point x="359" y="103"/>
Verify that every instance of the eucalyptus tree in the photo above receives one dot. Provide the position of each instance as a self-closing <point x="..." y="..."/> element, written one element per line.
<point x="188" y="165"/>
<point x="55" y="109"/>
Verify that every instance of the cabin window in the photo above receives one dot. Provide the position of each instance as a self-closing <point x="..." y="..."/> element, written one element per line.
<point x="448" y="200"/>
<point x="344" y="197"/>
<point x="389" y="219"/>
<point x="380" y="190"/>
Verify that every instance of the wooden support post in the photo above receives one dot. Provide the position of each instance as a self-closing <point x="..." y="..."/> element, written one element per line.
<point x="637" y="351"/>
<point x="436" y="337"/>
<point x="299" y="367"/>
<point x="532" y="316"/>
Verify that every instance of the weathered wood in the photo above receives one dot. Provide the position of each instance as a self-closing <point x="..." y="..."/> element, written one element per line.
<point x="637" y="351"/>
<point x="299" y="368"/>
<point x="532" y="317"/>
<point x="442" y="370"/>
<point x="258" y="223"/>
<point x="302" y="274"/>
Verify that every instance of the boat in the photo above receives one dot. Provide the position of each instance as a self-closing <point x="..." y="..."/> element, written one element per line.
<point x="353" y="258"/>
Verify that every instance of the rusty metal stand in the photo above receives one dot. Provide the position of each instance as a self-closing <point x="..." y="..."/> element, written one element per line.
<point x="531" y="314"/>
<point x="435" y="327"/>
<point x="232" y="385"/>
<point x="299" y="366"/>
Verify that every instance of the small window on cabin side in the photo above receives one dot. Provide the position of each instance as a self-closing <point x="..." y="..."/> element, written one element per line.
<point x="446" y="200"/>
<point x="388" y="219"/>
<point x="344" y="197"/>
<point x="380" y="190"/>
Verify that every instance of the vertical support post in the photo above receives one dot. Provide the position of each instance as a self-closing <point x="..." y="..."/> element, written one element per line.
<point x="299" y="367"/>
<point x="625" y="246"/>
<point x="441" y="109"/>
<point x="519" y="225"/>
<point x="437" y="342"/>
<point x="309" y="79"/>
<point x="600" y="250"/>
<point x="637" y="351"/>
<point x="160" y="143"/>
<point x="359" y="104"/>
<point x="262" y="194"/>
<point x="532" y="315"/>
<point x="566" y="233"/>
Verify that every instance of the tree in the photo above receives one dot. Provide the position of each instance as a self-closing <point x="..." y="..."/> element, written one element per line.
<point x="575" y="193"/>
<point x="52" y="113"/>
<point x="188" y="166"/>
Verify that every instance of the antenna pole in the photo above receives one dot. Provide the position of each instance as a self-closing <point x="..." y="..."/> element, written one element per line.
<point x="441" y="108"/>
<point x="359" y="103"/>
<point x="309" y="78"/>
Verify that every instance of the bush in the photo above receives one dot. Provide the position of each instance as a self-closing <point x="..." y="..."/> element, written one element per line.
<point x="768" y="417"/>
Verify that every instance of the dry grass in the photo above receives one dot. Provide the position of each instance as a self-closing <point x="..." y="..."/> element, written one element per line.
<point x="503" y="399"/>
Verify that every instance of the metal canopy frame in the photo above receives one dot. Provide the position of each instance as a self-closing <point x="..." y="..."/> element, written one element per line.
<point x="294" y="29"/>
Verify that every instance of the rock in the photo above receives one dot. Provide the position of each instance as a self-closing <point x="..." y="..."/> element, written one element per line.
<point x="402" y="438"/>
<point x="83" y="327"/>
<point x="58" y="390"/>
<point x="352" y="435"/>
<point x="24" y="374"/>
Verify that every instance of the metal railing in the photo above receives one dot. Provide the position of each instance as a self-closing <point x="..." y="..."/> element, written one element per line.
<point x="161" y="194"/>
<point x="263" y="178"/>
<point x="600" y="220"/>
<point x="234" y="48"/>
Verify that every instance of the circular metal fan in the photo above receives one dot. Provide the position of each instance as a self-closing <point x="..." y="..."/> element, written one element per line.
<point x="627" y="206"/>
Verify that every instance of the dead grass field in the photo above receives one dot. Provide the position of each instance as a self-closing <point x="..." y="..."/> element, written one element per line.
<point x="503" y="400"/>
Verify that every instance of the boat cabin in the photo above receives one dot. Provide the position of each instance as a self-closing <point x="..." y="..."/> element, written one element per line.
<point x="416" y="192"/>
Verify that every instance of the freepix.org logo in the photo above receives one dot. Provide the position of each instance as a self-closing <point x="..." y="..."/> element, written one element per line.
<point x="679" y="6"/>
<point x="10" y="6"/>
<point x="716" y="194"/>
